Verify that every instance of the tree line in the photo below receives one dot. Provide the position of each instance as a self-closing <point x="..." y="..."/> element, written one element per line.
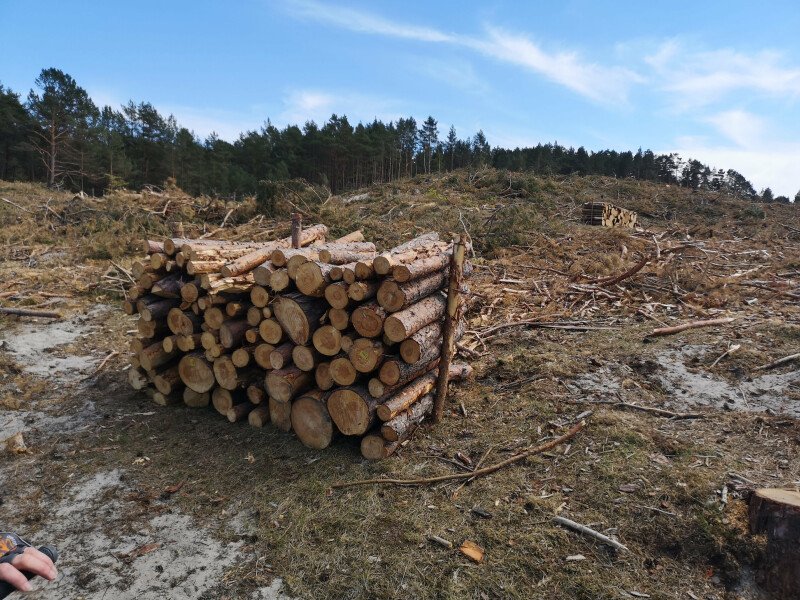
<point x="58" y="135"/>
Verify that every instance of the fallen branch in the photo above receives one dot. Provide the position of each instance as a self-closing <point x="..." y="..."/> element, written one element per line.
<point x="690" y="325"/>
<point x="590" y="532"/>
<point x="471" y="474"/>
<point x="6" y="200"/>
<point x="777" y="363"/>
<point x="662" y="412"/>
<point x="21" y="312"/>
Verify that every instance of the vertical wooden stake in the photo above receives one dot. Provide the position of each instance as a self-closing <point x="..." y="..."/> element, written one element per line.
<point x="450" y="323"/>
<point x="297" y="227"/>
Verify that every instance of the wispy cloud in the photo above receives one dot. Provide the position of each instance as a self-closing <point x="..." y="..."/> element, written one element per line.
<point x="700" y="77"/>
<point x="596" y="82"/>
<point x="741" y="127"/>
<point x="304" y="105"/>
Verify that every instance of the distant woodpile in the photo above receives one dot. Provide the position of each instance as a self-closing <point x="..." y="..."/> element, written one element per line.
<point x="608" y="215"/>
<point x="320" y="338"/>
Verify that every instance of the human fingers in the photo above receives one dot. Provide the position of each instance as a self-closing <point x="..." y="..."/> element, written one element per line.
<point x="12" y="575"/>
<point x="33" y="561"/>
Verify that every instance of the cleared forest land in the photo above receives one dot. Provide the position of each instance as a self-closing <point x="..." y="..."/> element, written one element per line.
<point x="175" y="501"/>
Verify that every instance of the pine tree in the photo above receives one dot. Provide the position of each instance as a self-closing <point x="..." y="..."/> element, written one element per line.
<point x="14" y="127"/>
<point x="428" y="137"/>
<point x="767" y="195"/>
<point x="450" y="145"/>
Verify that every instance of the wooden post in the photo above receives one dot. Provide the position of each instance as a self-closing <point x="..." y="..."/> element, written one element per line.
<point x="449" y="328"/>
<point x="297" y="227"/>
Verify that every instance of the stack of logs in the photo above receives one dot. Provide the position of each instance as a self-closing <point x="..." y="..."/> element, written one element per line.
<point x="323" y="339"/>
<point x="608" y="215"/>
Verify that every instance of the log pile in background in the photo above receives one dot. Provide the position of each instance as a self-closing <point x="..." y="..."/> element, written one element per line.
<point x="608" y="215"/>
<point x="324" y="339"/>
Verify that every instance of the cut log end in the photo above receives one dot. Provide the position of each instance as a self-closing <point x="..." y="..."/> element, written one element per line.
<point x="312" y="422"/>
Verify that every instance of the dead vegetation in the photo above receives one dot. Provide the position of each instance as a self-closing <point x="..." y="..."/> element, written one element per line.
<point x="559" y="327"/>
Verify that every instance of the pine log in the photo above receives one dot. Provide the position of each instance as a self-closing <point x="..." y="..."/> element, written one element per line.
<point x="362" y="270"/>
<point x="422" y="267"/>
<point x="347" y="341"/>
<point x="139" y="268"/>
<point x="312" y="278"/>
<point x="776" y="514"/>
<point x="216" y="284"/>
<point x="254" y="316"/>
<point x="262" y="274"/>
<point x="281" y="256"/>
<point x="154" y="356"/>
<point x="134" y="362"/>
<point x="223" y="400"/>
<point x="279" y="281"/>
<point x="202" y="267"/>
<point x="352" y="409"/>
<point x="394" y="297"/>
<point x="256" y="393"/>
<point x="250" y="261"/>
<point x="259" y="296"/>
<point x="401" y="427"/>
<point x="157" y="309"/>
<point x="214" y="317"/>
<point x="426" y="344"/>
<point x="409" y="321"/>
<point x="322" y="376"/>
<point x="396" y="372"/>
<point x="158" y="261"/>
<point x="259" y="416"/>
<point x="252" y="336"/>
<point x="136" y="345"/>
<point x="342" y="371"/>
<point x="167" y="399"/>
<point x="337" y="295"/>
<point x="152" y="247"/>
<point x="152" y="329"/>
<point x="237" y="308"/>
<point x="367" y="354"/>
<point x="196" y="372"/>
<point x="242" y="357"/>
<point x="403" y="399"/>
<point x="194" y="399"/>
<point x="369" y="319"/>
<point x="280" y="414"/>
<point x="281" y="357"/>
<point x="341" y="254"/>
<point x="363" y="290"/>
<point x="299" y="316"/>
<point x="327" y="340"/>
<point x="239" y="412"/>
<point x="129" y="307"/>
<point x="271" y="331"/>
<point x="188" y="343"/>
<point x="383" y="263"/>
<point x="285" y="384"/>
<point x="225" y="373"/>
<point x="168" y="381"/>
<point x="306" y="358"/>
<point x="374" y="447"/>
<point x="231" y="334"/>
<point x="311" y="420"/>
<point x="209" y="339"/>
<point x="182" y="323"/>
<point x="449" y="326"/>
<point x="169" y="286"/>
<point x="137" y="378"/>
<point x="261" y="355"/>
<point x="339" y="318"/>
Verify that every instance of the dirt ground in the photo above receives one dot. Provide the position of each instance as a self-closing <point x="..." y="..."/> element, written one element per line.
<point x="151" y="502"/>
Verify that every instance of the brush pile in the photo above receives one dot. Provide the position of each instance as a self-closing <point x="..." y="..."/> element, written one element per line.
<point x="319" y="338"/>
<point x="608" y="215"/>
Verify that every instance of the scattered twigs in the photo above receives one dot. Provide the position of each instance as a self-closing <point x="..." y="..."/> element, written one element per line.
<point x="727" y="352"/>
<point x="472" y="474"/>
<point x="21" y="312"/>
<point x="477" y="466"/>
<point x="105" y="361"/>
<point x="661" y="412"/>
<point x="569" y="524"/>
<point x="779" y="362"/>
<point x="7" y="201"/>
<point x="691" y="325"/>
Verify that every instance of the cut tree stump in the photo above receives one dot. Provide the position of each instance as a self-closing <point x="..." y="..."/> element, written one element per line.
<point x="776" y="513"/>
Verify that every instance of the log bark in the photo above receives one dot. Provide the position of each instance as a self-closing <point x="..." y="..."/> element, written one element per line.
<point x="352" y="409"/>
<point x="194" y="399"/>
<point x="342" y="371"/>
<point x="204" y="267"/>
<point x="691" y="325"/>
<point x="231" y="334"/>
<point x="168" y="381"/>
<point x="281" y="357"/>
<point x="367" y="354"/>
<point x="402" y="426"/>
<point x="285" y="384"/>
<point x="423" y="342"/>
<point x="776" y="514"/>
<point x="407" y="322"/>
<point x="415" y="390"/>
<point x="196" y="372"/>
<point x="394" y="297"/>
<point x="263" y="273"/>
<point x="299" y="316"/>
<point x="151" y="329"/>
<point x="384" y="262"/>
<point x="156" y="310"/>
<point x="169" y="286"/>
<point x="368" y="319"/>
<point x="239" y="412"/>
<point x="280" y="414"/>
<point x="259" y="416"/>
<point x="450" y="325"/>
<point x="167" y="399"/>
<point x="337" y="295"/>
<point x="305" y="358"/>
<point x="152" y="246"/>
<point x="237" y="308"/>
<point x="311" y="420"/>
<point x="297" y="229"/>
<point x="223" y="400"/>
<point x="183" y="323"/>
<point x="271" y="331"/>
<point x="341" y="254"/>
<point x="327" y="340"/>
<point x="420" y="268"/>
<point x="154" y="356"/>
<point x="250" y="261"/>
<point x="396" y="372"/>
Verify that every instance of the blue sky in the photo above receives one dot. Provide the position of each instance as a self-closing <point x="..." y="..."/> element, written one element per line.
<point x="717" y="81"/>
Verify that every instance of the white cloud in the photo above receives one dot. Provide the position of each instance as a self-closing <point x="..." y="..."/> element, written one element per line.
<point x="606" y="85"/>
<point x="741" y="127"/>
<point x="300" y="106"/>
<point x="697" y="77"/>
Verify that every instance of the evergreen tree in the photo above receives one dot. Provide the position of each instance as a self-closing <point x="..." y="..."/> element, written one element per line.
<point x="450" y="146"/>
<point x="428" y="137"/>
<point x="480" y="149"/>
<point x="766" y="195"/>
<point x="14" y="127"/>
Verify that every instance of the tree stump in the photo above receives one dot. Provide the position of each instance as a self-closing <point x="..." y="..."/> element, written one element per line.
<point x="776" y="513"/>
